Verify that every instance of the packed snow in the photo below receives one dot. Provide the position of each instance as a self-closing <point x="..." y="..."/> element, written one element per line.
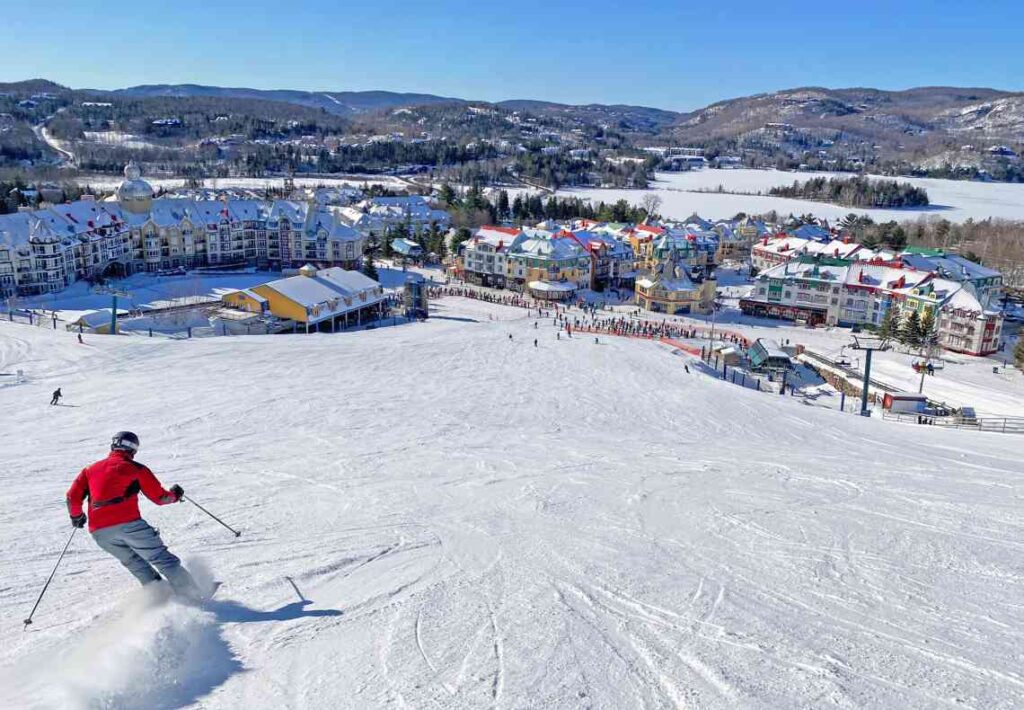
<point x="434" y="515"/>
<point x="685" y="193"/>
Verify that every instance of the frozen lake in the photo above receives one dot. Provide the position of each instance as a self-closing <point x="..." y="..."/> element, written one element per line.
<point x="955" y="200"/>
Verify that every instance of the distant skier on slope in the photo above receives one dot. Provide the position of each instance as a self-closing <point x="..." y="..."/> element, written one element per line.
<point x="56" y="397"/>
<point x="112" y="486"/>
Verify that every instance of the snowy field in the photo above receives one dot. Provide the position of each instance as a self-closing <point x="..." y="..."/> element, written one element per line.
<point x="435" y="516"/>
<point x="955" y="200"/>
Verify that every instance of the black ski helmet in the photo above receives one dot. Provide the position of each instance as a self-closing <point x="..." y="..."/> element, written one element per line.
<point x="125" y="441"/>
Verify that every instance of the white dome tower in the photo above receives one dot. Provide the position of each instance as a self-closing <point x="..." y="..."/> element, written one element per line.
<point x="134" y="194"/>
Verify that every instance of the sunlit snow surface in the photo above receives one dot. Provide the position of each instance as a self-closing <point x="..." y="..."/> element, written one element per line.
<point x="955" y="200"/>
<point x="436" y="516"/>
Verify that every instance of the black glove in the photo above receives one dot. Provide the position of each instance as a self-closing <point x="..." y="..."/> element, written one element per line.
<point x="177" y="491"/>
<point x="78" y="521"/>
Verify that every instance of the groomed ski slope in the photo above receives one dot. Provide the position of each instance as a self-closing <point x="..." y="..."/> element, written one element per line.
<point x="436" y="517"/>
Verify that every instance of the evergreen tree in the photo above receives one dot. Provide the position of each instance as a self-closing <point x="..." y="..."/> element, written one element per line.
<point x="926" y="331"/>
<point x="370" y="269"/>
<point x="910" y="332"/>
<point x="889" y="327"/>
<point x="871" y="240"/>
<point x="447" y="195"/>
<point x="503" y="206"/>
<point x="461" y="235"/>
<point x="440" y="248"/>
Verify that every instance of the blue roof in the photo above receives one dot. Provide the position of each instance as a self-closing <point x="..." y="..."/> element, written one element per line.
<point x="406" y="247"/>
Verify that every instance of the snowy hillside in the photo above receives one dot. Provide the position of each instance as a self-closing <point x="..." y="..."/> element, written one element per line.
<point x="436" y="516"/>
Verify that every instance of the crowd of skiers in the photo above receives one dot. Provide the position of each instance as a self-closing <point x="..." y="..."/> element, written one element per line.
<point x="589" y="317"/>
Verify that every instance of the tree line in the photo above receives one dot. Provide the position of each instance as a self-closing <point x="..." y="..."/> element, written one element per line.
<point x="856" y="191"/>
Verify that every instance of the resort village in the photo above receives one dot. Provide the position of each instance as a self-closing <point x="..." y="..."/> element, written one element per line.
<point x="332" y="259"/>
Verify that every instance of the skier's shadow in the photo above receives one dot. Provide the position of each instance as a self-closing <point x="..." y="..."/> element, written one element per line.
<point x="235" y="612"/>
<point x="239" y="613"/>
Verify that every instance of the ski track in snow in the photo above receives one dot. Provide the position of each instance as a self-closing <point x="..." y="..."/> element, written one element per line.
<point x="436" y="517"/>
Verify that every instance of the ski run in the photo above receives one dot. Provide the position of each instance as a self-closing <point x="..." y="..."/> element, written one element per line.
<point x="439" y="516"/>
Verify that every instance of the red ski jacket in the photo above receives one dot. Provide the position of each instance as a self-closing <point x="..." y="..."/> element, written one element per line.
<point x="112" y="486"/>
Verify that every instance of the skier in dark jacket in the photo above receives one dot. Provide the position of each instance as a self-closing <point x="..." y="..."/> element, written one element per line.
<point x="56" y="396"/>
<point x="112" y="486"/>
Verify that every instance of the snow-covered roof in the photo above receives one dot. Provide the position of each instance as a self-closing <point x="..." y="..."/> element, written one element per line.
<point x="97" y="318"/>
<point x="406" y="247"/>
<point x="554" y="249"/>
<point x="806" y="271"/>
<point x="552" y="286"/>
<point x="783" y="245"/>
<point x="952" y="266"/>
<point x="351" y="281"/>
<point x="771" y="348"/>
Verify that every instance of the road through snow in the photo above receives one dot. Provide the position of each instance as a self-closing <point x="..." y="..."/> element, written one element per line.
<point x="435" y="516"/>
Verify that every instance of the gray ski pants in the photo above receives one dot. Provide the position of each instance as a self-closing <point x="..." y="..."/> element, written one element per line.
<point x="138" y="547"/>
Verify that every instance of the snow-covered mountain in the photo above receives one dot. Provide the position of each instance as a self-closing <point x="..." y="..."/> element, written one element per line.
<point x="342" y="103"/>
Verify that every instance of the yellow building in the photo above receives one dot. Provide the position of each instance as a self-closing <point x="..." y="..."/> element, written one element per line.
<point x="245" y="300"/>
<point x="315" y="298"/>
<point x="668" y="288"/>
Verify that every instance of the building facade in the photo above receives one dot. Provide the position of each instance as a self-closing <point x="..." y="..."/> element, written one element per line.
<point x="46" y="250"/>
<point x="823" y="291"/>
<point x="668" y="288"/>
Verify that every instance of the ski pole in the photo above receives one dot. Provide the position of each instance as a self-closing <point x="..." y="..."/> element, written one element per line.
<point x="237" y="534"/>
<point x="49" y="579"/>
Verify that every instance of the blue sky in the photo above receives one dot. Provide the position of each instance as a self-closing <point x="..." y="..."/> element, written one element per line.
<point x="677" y="55"/>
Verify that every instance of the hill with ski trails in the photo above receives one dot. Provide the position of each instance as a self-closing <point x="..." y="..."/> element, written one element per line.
<point x="434" y="515"/>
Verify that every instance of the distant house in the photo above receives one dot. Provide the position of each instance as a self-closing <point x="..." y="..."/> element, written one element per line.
<point x="94" y="321"/>
<point x="407" y="248"/>
<point x="729" y="354"/>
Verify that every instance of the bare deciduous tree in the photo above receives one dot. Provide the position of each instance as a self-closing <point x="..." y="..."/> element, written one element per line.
<point x="651" y="204"/>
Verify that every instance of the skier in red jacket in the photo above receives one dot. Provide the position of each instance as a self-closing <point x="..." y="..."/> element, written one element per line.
<point x="113" y="486"/>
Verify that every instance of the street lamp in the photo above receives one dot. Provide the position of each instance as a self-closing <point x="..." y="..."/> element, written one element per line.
<point x="869" y="344"/>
